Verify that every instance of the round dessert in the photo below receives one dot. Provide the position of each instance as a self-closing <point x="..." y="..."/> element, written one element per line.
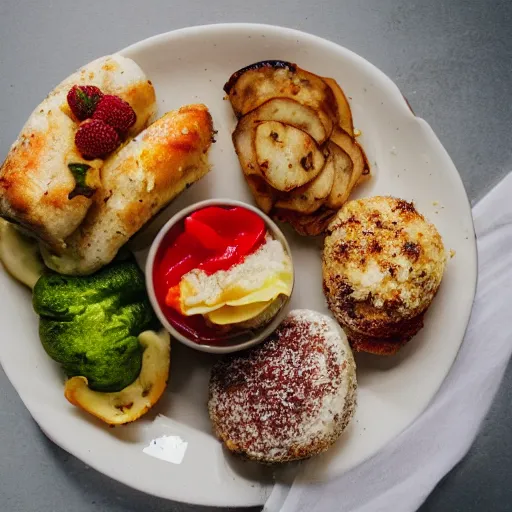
<point x="289" y="398"/>
<point x="219" y="272"/>
<point x="382" y="266"/>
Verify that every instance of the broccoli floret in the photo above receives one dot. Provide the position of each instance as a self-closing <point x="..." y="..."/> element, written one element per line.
<point x="90" y="324"/>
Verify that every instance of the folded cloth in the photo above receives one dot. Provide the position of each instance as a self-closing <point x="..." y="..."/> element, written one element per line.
<point x="403" y="474"/>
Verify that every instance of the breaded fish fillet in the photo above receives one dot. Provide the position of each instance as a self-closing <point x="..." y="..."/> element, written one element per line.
<point x="35" y="179"/>
<point x="137" y="182"/>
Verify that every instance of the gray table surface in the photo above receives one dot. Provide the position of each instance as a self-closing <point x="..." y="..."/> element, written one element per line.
<point x="452" y="59"/>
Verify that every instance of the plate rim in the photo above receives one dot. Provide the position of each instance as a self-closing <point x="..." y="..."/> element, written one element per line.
<point x="87" y="457"/>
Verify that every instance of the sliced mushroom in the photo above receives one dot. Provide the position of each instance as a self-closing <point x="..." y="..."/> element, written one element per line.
<point x="344" y="112"/>
<point x="243" y="140"/>
<point x="287" y="157"/>
<point x="354" y="151"/>
<point x="253" y="85"/>
<point x="295" y="142"/>
<point x="309" y="197"/>
<point x="342" y="177"/>
<point x="289" y="111"/>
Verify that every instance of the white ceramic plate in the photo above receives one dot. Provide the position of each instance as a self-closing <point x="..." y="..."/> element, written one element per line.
<point x="407" y="160"/>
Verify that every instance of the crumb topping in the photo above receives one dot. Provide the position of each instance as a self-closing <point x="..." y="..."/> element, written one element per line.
<point x="382" y="251"/>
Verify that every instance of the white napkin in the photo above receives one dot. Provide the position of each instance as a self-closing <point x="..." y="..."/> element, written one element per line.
<point x="403" y="474"/>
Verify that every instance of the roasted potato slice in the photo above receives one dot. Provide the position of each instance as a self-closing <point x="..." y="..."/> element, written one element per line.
<point x="366" y="174"/>
<point x="344" y="112"/>
<point x="287" y="157"/>
<point x="243" y="140"/>
<point x="354" y="151"/>
<point x="264" y="194"/>
<point x="288" y="111"/>
<point x="307" y="225"/>
<point x="250" y="87"/>
<point x="309" y="197"/>
<point x="343" y="168"/>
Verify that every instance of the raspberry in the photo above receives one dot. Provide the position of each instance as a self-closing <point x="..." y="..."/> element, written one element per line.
<point x="95" y="139"/>
<point x="83" y="99"/>
<point x="115" y="112"/>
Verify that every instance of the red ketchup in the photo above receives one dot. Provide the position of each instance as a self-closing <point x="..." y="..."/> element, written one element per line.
<point x="211" y="239"/>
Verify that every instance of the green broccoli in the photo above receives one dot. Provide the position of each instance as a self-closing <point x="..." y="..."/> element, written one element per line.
<point x="90" y="324"/>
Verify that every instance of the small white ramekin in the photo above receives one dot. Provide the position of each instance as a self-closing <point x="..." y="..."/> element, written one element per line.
<point x="230" y="346"/>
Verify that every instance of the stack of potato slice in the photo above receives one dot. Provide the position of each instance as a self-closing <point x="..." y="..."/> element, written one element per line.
<point x="295" y="142"/>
